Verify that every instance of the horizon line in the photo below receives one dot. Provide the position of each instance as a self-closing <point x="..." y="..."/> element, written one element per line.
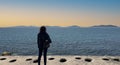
<point x="57" y="26"/>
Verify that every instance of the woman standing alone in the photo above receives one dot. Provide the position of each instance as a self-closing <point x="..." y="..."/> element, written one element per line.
<point x="43" y="41"/>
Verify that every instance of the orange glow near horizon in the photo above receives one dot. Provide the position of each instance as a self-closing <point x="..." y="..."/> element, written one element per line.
<point x="54" y="17"/>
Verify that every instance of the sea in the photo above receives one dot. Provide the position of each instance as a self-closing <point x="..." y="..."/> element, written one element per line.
<point x="94" y="41"/>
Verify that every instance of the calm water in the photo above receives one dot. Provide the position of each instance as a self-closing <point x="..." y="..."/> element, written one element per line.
<point x="66" y="41"/>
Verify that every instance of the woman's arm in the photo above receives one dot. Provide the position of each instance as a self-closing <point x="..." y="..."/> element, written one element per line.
<point x="49" y="39"/>
<point x="38" y="41"/>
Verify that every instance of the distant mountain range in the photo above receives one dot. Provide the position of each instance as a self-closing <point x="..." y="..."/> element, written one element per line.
<point x="105" y="26"/>
<point x="74" y="26"/>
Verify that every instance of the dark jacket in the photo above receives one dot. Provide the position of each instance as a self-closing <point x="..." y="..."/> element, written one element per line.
<point x="41" y="38"/>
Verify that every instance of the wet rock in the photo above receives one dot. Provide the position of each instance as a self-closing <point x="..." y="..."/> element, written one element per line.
<point x="6" y="54"/>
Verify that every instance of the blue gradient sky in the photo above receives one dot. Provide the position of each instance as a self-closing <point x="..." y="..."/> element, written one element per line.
<point x="59" y="12"/>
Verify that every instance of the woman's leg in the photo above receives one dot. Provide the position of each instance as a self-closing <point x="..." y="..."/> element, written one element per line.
<point x="39" y="57"/>
<point x="45" y="56"/>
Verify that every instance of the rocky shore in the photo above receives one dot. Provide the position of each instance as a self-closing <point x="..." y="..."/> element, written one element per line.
<point x="61" y="60"/>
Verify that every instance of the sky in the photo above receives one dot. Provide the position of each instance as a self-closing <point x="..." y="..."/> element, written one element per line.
<point x="59" y="12"/>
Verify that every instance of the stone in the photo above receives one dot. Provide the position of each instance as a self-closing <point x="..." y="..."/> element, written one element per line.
<point x="6" y="54"/>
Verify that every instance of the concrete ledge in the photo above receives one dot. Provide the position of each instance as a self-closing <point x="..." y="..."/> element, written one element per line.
<point x="61" y="60"/>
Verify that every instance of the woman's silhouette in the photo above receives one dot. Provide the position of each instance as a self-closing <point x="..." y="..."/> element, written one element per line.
<point x="42" y="39"/>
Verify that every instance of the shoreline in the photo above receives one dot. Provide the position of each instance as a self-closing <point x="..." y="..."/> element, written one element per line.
<point x="61" y="60"/>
